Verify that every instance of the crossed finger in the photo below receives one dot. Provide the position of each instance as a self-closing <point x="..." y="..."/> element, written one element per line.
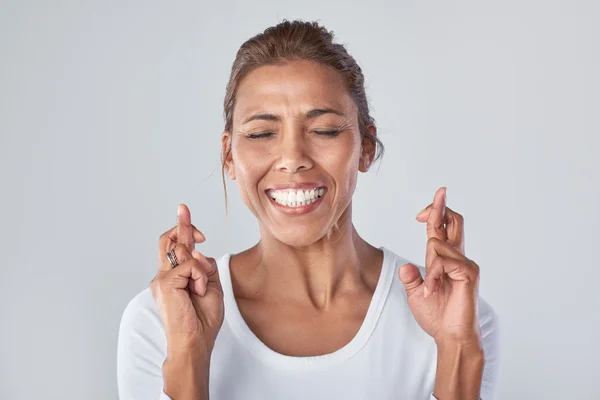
<point x="183" y="233"/>
<point x="445" y="260"/>
<point x="443" y="222"/>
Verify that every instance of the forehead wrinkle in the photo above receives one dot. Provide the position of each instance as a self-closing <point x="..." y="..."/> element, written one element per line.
<point x="291" y="92"/>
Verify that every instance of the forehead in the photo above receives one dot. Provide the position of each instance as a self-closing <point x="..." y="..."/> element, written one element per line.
<point x="293" y="87"/>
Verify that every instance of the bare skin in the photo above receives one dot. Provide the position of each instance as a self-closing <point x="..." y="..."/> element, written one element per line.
<point x="298" y="326"/>
<point x="305" y="287"/>
<point x="325" y="286"/>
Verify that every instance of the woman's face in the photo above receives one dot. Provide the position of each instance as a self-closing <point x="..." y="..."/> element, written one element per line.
<point x="296" y="149"/>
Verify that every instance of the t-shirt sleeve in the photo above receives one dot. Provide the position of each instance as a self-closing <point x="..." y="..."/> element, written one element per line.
<point x="141" y="351"/>
<point x="490" y="334"/>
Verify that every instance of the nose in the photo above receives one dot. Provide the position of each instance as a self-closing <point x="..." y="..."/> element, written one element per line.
<point x="293" y="153"/>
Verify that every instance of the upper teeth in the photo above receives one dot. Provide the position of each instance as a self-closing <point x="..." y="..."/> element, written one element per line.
<point x="295" y="198"/>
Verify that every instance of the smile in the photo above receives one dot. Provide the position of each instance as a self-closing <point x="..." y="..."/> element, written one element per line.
<point x="296" y="201"/>
<point x="296" y="198"/>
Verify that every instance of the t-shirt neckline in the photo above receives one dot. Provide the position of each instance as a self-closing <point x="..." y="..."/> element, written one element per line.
<point x="269" y="356"/>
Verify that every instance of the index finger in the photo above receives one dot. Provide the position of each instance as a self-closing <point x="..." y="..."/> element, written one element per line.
<point x="185" y="233"/>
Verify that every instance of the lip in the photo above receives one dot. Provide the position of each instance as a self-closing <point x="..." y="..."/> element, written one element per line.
<point x="299" y="210"/>
<point x="297" y="185"/>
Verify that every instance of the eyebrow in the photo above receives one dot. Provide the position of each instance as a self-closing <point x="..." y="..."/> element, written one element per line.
<point x="311" y="114"/>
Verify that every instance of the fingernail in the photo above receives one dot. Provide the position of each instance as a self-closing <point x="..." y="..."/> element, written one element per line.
<point x="425" y="291"/>
<point x="445" y="194"/>
<point x="178" y="210"/>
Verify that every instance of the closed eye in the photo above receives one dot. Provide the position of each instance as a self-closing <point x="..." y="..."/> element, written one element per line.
<point x="259" y="135"/>
<point x="267" y="134"/>
<point x="327" y="133"/>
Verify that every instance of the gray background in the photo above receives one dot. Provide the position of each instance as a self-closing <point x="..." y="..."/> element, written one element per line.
<point x="110" y="116"/>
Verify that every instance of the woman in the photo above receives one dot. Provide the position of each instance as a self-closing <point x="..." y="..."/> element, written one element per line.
<point x="312" y="311"/>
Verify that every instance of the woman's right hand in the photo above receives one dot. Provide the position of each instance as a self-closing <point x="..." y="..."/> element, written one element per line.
<point x="189" y="296"/>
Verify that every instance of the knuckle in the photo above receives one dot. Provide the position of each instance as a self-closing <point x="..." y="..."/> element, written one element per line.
<point x="158" y="289"/>
<point x="212" y="262"/>
<point x="165" y="235"/>
<point x="196" y="264"/>
<point x="437" y="263"/>
<point x="202" y="257"/>
<point x="155" y="285"/>
<point x="192" y="263"/>
<point x="180" y="247"/>
<point x="432" y="241"/>
<point x="179" y="251"/>
<point x="162" y="285"/>
<point x="435" y="225"/>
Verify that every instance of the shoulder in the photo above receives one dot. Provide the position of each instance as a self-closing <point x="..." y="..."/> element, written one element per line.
<point x="488" y="319"/>
<point x="142" y="341"/>
<point x="141" y="349"/>
<point x="142" y="307"/>
<point x="489" y="325"/>
<point x="141" y="320"/>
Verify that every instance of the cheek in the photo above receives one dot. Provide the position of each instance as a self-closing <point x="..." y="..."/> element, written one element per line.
<point x="248" y="159"/>
<point x="342" y="162"/>
<point x="250" y="167"/>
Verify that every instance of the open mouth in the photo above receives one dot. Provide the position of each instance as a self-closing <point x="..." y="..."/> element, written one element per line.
<point x="294" y="198"/>
<point x="298" y="200"/>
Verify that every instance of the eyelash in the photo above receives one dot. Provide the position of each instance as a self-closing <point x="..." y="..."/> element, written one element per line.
<point x="331" y="133"/>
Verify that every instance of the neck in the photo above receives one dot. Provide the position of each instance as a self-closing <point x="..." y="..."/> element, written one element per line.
<point x="316" y="273"/>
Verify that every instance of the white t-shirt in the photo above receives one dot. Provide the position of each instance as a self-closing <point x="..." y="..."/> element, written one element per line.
<point x="390" y="357"/>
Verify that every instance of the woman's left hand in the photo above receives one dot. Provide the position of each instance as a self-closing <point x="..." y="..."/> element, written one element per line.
<point x="445" y="303"/>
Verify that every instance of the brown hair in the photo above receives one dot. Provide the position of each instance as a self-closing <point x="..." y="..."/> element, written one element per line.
<point x="299" y="40"/>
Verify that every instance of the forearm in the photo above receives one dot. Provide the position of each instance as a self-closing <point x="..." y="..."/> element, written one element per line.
<point x="186" y="376"/>
<point x="459" y="371"/>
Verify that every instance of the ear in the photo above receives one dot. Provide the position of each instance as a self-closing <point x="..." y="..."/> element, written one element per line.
<point x="226" y="157"/>
<point x="368" y="149"/>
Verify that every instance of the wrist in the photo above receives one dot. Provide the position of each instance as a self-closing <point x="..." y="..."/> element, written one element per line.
<point x="459" y="370"/>
<point x="186" y="375"/>
<point x="470" y="344"/>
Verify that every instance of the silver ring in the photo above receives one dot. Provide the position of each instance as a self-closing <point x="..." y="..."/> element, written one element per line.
<point x="172" y="258"/>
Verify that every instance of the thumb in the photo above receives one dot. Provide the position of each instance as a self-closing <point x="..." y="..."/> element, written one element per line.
<point x="410" y="276"/>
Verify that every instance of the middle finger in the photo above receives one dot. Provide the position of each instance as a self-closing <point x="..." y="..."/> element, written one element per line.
<point x="455" y="230"/>
<point x="436" y="222"/>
